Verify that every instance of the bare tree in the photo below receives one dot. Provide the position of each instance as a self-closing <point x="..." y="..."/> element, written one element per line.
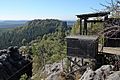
<point x="113" y="6"/>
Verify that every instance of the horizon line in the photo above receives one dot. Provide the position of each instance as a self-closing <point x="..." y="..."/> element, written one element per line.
<point x="35" y="19"/>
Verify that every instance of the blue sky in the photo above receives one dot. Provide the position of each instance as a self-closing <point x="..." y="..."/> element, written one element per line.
<point x="42" y="9"/>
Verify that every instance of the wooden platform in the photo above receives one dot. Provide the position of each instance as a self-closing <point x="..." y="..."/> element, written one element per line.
<point x="111" y="50"/>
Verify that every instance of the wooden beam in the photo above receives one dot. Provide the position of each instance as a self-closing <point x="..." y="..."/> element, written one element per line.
<point x="74" y="62"/>
<point x="94" y="21"/>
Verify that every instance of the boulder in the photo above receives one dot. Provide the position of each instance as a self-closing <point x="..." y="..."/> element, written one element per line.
<point x="99" y="74"/>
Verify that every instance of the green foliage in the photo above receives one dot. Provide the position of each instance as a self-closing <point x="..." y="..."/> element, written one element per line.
<point x="51" y="45"/>
<point x="95" y="28"/>
<point x="5" y="30"/>
<point x="76" y="28"/>
<point x="49" y="49"/>
<point x="23" y="77"/>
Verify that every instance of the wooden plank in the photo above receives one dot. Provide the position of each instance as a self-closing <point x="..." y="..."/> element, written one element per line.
<point x="112" y="50"/>
<point x="94" y="21"/>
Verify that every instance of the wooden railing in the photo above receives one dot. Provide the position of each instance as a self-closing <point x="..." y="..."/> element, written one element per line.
<point x="25" y="69"/>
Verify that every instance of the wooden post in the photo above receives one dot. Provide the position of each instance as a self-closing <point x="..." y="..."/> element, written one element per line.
<point x="68" y="64"/>
<point x="80" y="26"/>
<point x="82" y="61"/>
<point x="85" y="25"/>
<point x="105" y="19"/>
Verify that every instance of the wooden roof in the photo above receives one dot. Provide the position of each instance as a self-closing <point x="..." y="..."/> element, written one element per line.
<point x="93" y="15"/>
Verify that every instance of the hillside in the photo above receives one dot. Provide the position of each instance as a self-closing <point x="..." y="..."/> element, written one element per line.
<point x="48" y="49"/>
<point x="30" y="31"/>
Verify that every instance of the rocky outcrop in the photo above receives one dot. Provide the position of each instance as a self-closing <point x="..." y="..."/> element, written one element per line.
<point x="11" y="61"/>
<point x="103" y="73"/>
<point x="114" y="76"/>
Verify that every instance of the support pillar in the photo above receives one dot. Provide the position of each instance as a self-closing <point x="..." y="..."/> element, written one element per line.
<point x="85" y="26"/>
<point x="80" y="26"/>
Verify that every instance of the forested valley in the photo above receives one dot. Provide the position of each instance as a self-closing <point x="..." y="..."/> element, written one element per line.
<point x="39" y="38"/>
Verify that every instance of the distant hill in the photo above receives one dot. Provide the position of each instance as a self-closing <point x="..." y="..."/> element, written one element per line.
<point x="30" y="31"/>
<point x="16" y="23"/>
<point x="12" y="23"/>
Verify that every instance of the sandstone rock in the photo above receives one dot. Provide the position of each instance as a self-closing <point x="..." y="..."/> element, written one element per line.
<point x="99" y="74"/>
